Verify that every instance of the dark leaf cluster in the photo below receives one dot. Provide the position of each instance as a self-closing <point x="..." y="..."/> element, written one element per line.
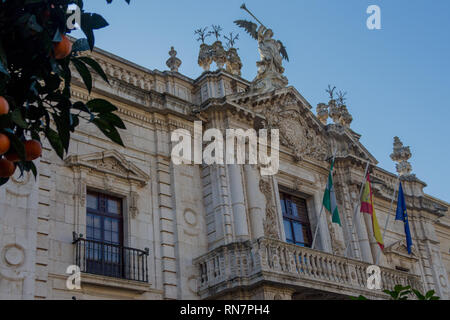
<point x="37" y="86"/>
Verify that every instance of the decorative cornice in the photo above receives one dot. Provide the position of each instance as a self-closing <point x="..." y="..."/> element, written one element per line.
<point x="111" y="163"/>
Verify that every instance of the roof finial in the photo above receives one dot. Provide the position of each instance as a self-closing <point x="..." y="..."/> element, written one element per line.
<point x="173" y="62"/>
<point x="401" y="155"/>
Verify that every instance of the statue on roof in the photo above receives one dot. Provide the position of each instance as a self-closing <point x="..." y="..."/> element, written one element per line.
<point x="270" y="67"/>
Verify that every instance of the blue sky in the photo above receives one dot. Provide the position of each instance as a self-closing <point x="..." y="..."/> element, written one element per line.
<point x="396" y="77"/>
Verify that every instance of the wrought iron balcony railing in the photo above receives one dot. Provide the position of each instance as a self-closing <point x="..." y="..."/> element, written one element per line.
<point x="111" y="260"/>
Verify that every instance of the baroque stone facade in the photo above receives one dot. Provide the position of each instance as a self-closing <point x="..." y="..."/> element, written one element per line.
<point x="212" y="232"/>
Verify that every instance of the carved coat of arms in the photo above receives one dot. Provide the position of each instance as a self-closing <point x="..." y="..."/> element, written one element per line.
<point x="295" y="132"/>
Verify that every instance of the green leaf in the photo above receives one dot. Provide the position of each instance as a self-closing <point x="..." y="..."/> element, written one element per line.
<point x="33" y="169"/>
<point x="17" y="118"/>
<point x="90" y="22"/>
<point x="63" y="127"/>
<point x="80" y="45"/>
<point x="113" y="120"/>
<point x="430" y="293"/>
<point x="97" y="21"/>
<point x="108" y="130"/>
<point x="84" y="73"/>
<point x="398" y="288"/>
<point x="75" y="122"/>
<point x="55" y="142"/>
<point x="81" y="106"/>
<point x="94" y="65"/>
<point x="418" y="294"/>
<point x="101" y="106"/>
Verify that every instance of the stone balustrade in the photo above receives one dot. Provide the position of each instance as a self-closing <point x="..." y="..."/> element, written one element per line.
<point x="266" y="260"/>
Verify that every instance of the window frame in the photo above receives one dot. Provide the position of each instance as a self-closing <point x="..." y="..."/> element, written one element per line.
<point x="291" y="218"/>
<point x="106" y="214"/>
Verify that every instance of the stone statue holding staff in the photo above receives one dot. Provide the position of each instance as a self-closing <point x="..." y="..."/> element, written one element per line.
<point x="272" y="52"/>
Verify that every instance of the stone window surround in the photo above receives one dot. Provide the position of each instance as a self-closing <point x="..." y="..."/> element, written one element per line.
<point x="116" y="177"/>
<point x="92" y="182"/>
<point x="312" y="215"/>
<point x="88" y="179"/>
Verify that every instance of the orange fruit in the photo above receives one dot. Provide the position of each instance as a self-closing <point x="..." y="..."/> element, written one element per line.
<point x="12" y="156"/>
<point x="7" y="168"/>
<point x="5" y="143"/>
<point x="33" y="150"/>
<point x="4" y="106"/>
<point x="63" y="48"/>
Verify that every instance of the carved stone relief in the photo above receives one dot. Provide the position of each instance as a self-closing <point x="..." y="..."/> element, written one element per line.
<point x="270" y="222"/>
<point x="14" y="255"/>
<point x="295" y="131"/>
<point x="109" y="166"/>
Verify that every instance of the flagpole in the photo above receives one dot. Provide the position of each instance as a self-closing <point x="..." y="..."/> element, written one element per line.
<point x="389" y="214"/>
<point x="317" y="227"/>
<point x="357" y="207"/>
<point x="321" y="209"/>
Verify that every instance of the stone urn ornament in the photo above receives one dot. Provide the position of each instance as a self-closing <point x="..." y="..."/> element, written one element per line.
<point x="204" y="56"/>
<point x="322" y="113"/>
<point x="173" y="62"/>
<point x="234" y="63"/>
<point x="345" y="118"/>
<point x="219" y="54"/>
<point x="335" y="111"/>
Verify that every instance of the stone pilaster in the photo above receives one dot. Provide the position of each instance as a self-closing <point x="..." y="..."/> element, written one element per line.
<point x="166" y="215"/>
<point x="255" y="201"/>
<point x="238" y="202"/>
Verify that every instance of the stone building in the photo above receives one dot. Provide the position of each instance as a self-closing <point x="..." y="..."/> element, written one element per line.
<point x="140" y="227"/>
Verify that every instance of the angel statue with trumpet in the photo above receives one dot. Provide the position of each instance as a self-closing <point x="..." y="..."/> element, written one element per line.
<point x="270" y="68"/>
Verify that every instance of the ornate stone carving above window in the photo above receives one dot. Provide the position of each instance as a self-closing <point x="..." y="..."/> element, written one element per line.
<point x="397" y="256"/>
<point x="108" y="171"/>
<point x="112" y="164"/>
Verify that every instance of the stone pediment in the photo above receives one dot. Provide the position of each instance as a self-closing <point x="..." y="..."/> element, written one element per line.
<point x="399" y="248"/>
<point x="346" y="142"/>
<point x="300" y="129"/>
<point x="111" y="163"/>
<point x="285" y="109"/>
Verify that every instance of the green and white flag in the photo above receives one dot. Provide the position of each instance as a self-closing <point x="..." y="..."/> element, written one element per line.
<point x="329" y="198"/>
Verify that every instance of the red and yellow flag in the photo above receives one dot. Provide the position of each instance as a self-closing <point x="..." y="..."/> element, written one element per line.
<point x="367" y="207"/>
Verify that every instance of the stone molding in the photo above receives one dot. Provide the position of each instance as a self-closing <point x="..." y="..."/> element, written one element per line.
<point x="111" y="163"/>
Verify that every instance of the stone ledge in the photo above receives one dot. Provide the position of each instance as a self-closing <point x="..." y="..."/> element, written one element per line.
<point x="103" y="281"/>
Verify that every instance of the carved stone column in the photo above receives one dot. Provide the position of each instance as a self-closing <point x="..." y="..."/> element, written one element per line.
<point x="255" y="201"/>
<point x="216" y="192"/>
<point x="238" y="202"/>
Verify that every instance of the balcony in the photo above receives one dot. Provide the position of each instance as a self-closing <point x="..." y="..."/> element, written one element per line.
<point x="253" y="263"/>
<point x="110" y="260"/>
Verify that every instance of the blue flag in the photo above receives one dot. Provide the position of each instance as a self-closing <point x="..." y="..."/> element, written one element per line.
<point x="402" y="215"/>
